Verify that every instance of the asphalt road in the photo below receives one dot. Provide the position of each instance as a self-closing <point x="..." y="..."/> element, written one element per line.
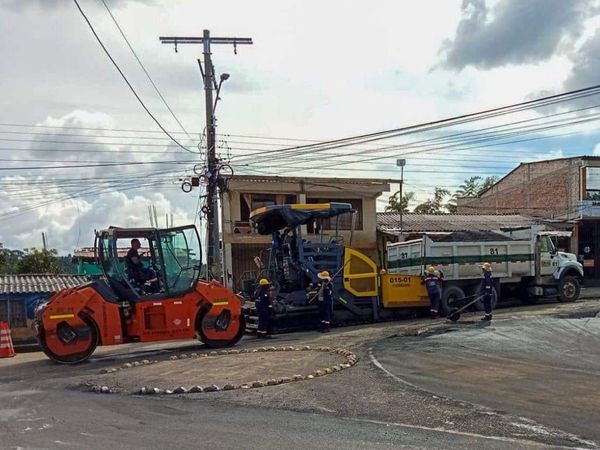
<point x="75" y="420"/>
<point x="527" y="381"/>
<point x="543" y="368"/>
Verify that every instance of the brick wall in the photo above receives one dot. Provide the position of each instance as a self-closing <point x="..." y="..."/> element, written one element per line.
<point x="547" y="189"/>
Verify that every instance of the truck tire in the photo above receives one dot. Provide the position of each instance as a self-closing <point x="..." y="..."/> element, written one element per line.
<point x="450" y="296"/>
<point x="568" y="289"/>
<point x="479" y="303"/>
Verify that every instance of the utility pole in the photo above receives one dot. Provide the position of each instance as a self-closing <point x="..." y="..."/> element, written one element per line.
<point x="401" y="163"/>
<point x="213" y="251"/>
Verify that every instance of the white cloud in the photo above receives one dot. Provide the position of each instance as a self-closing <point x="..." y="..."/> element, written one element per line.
<point x="69" y="204"/>
<point x="317" y="70"/>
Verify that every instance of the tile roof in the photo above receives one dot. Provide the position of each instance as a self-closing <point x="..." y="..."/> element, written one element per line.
<point x="38" y="283"/>
<point x="390" y="222"/>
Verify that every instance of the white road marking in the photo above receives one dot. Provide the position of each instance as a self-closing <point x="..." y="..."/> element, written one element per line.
<point x="459" y="433"/>
<point x="540" y="429"/>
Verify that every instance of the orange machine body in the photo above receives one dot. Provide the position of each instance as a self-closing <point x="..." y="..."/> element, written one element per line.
<point x="210" y="312"/>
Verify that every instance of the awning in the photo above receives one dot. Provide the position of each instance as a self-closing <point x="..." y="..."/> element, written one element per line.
<point x="556" y="233"/>
<point x="273" y="218"/>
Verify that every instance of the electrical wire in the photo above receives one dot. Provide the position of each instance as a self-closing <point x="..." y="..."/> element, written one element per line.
<point x="435" y="125"/>
<point x="144" y="68"/>
<point x="126" y="80"/>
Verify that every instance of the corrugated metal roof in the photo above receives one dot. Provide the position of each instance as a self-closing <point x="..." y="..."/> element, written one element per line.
<point x="39" y="283"/>
<point x="390" y="222"/>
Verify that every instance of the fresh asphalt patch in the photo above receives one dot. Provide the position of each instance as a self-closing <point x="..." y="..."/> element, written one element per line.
<point x="543" y="368"/>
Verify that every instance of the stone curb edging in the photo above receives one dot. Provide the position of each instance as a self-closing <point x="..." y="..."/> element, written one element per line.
<point x="351" y="360"/>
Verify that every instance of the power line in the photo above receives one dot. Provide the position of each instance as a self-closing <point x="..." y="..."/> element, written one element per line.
<point x="461" y="137"/>
<point x="127" y="81"/>
<point x="480" y="143"/>
<point x="434" y="125"/>
<point x="144" y="69"/>
<point x="78" y="166"/>
<point x="46" y="141"/>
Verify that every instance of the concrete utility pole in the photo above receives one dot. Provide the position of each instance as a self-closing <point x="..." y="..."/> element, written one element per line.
<point x="212" y="190"/>
<point x="401" y="163"/>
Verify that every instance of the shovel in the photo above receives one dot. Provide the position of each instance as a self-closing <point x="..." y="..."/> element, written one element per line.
<point x="454" y="313"/>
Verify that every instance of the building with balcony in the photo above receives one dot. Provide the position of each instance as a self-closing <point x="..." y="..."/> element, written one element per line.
<point x="565" y="189"/>
<point x="242" y="244"/>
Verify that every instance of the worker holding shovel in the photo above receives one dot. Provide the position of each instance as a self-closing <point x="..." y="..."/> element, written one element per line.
<point x="486" y="290"/>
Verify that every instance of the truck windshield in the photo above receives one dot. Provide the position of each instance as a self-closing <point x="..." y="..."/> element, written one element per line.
<point x="547" y="245"/>
<point x="180" y="249"/>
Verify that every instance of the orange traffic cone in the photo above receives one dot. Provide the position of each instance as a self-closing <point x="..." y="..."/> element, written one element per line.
<point x="6" y="347"/>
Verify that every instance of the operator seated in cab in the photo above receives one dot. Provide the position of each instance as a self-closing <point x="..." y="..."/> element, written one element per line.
<point x="136" y="269"/>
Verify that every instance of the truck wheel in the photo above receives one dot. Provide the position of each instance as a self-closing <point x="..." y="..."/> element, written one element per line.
<point x="451" y="296"/>
<point x="479" y="303"/>
<point x="568" y="289"/>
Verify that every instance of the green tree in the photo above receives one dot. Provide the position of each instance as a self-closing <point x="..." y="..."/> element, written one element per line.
<point x="486" y="184"/>
<point x="39" y="261"/>
<point x="8" y="261"/>
<point x="469" y="188"/>
<point x="397" y="205"/>
<point x="434" y="205"/>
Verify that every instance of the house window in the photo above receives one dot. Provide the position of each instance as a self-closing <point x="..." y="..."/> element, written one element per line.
<point x="592" y="183"/>
<point x="250" y="202"/>
<point x="343" y="221"/>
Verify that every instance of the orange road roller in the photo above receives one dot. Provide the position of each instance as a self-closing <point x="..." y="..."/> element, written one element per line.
<point x="156" y="295"/>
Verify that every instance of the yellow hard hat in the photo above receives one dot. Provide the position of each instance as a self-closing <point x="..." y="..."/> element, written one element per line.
<point x="431" y="269"/>
<point x="383" y="271"/>
<point x="324" y="275"/>
<point x="263" y="282"/>
<point x="486" y="266"/>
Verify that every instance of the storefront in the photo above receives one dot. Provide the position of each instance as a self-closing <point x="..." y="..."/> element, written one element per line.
<point x="589" y="224"/>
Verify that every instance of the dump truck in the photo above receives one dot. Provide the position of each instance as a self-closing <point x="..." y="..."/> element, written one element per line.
<point x="525" y="264"/>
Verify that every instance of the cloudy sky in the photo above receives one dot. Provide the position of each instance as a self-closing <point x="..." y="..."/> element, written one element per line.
<point x="317" y="71"/>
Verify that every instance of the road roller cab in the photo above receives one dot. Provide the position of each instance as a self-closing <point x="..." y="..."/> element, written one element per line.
<point x="143" y="298"/>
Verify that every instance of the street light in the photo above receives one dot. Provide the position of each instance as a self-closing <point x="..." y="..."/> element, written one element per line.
<point x="223" y="77"/>
<point x="401" y="163"/>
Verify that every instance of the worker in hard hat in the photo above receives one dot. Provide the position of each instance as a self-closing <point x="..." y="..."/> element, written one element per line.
<point x="486" y="290"/>
<point x="433" y="282"/>
<point x="262" y="298"/>
<point x="325" y="300"/>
